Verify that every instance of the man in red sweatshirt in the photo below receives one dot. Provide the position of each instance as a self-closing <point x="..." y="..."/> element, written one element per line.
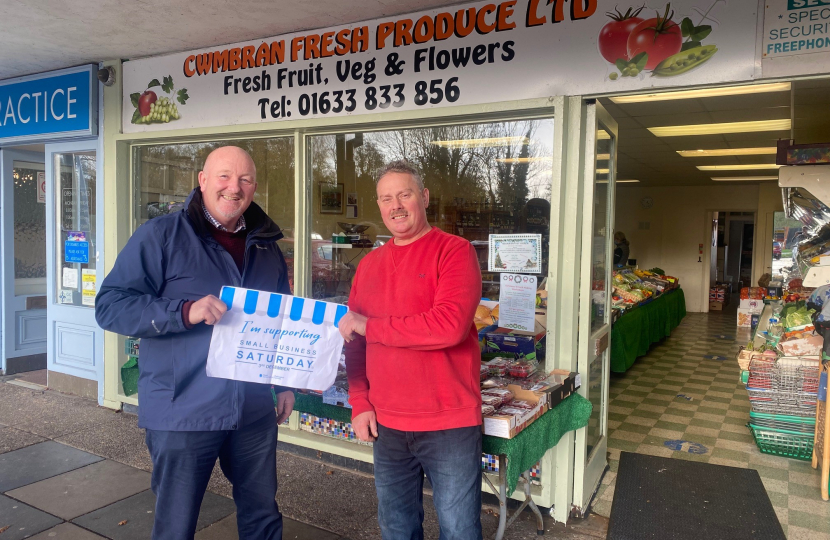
<point x="412" y="359"/>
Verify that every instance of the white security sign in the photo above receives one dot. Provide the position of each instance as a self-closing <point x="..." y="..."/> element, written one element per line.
<point x="467" y="54"/>
<point x="796" y="27"/>
<point x="276" y="339"/>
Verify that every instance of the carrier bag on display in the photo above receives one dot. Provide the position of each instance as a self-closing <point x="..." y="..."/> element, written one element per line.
<point x="276" y="339"/>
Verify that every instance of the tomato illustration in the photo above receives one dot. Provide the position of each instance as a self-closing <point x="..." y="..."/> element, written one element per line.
<point x="613" y="38"/>
<point x="659" y="38"/>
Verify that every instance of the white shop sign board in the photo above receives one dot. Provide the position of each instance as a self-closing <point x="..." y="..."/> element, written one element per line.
<point x="276" y="339"/>
<point x="512" y="50"/>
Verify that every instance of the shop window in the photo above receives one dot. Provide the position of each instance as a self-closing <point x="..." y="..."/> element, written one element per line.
<point x="488" y="178"/>
<point x="29" y="229"/>
<point x="166" y="174"/>
<point x="76" y="246"/>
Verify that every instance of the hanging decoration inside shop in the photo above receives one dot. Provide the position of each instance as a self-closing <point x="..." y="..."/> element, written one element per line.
<point x="469" y="54"/>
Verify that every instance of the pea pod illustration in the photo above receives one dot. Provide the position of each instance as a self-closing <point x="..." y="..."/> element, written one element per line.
<point x="684" y="61"/>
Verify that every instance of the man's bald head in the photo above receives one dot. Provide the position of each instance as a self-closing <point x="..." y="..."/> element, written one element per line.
<point x="230" y="153"/>
<point x="228" y="184"/>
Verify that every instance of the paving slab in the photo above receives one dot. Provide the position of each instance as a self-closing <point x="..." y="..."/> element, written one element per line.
<point x="119" y="439"/>
<point x="83" y="490"/>
<point x="291" y="530"/>
<point x="67" y="531"/>
<point x="39" y="462"/>
<point x="14" y="439"/>
<point x="138" y="512"/>
<point x="22" y="520"/>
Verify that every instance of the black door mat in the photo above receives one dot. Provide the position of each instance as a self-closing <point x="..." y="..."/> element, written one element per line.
<point x="675" y="499"/>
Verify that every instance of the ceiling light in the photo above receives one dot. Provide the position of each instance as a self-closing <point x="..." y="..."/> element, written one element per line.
<point x="752" y="167"/>
<point x="706" y="92"/>
<point x="741" y="178"/>
<point x="602" y="171"/>
<point x="717" y="129"/>
<point x="490" y="141"/>
<point x="770" y="150"/>
<point x="524" y="159"/>
<point x="619" y="181"/>
<point x="603" y="157"/>
<point x="603" y="135"/>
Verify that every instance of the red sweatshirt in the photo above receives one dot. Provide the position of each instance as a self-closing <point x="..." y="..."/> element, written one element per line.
<point x="418" y="367"/>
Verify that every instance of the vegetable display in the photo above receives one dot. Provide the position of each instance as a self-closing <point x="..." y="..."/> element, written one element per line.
<point x="659" y="45"/>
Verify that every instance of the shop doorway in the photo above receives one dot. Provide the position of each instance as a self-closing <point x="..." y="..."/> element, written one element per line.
<point x="75" y="342"/>
<point x="599" y="165"/>
<point x="23" y="217"/>
<point x="697" y="196"/>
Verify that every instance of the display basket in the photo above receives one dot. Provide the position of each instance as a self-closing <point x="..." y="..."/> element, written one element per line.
<point x="780" y="402"/>
<point x="821" y="450"/>
<point x="783" y="443"/>
<point x="797" y="424"/>
<point x="799" y="376"/>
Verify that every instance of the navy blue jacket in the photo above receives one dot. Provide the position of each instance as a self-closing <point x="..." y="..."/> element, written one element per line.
<point x="167" y="261"/>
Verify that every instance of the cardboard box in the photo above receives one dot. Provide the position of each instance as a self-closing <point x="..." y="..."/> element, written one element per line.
<point x="716" y="306"/>
<point x="809" y="346"/>
<point x="507" y="427"/>
<point x="516" y="343"/>
<point x="745" y="317"/>
<point x="752" y="304"/>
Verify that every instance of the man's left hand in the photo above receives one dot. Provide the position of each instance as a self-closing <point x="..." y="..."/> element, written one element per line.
<point x="352" y="323"/>
<point x="285" y="404"/>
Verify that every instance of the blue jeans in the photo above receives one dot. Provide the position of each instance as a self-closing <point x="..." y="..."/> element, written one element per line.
<point x="183" y="462"/>
<point x="451" y="459"/>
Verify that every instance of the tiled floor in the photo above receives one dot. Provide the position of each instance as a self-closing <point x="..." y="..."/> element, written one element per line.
<point x="679" y="402"/>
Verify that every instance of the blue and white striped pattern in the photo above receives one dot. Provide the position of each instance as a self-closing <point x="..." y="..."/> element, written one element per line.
<point x="275" y="305"/>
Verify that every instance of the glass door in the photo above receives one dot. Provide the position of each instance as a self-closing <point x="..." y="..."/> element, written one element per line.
<point x="24" y="261"/>
<point x="75" y="341"/>
<point x="599" y="172"/>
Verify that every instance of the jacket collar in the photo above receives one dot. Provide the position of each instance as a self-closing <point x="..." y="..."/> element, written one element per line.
<point x="257" y="221"/>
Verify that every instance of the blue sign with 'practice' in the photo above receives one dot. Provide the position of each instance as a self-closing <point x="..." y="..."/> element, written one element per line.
<point x="51" y="104"/>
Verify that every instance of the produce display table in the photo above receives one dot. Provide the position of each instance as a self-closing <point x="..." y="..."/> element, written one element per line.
<point x="516" y="455"/>
<point x="635" y="331"/>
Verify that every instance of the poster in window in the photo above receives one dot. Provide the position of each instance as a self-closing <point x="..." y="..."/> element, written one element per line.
<point x="331" y="198"/>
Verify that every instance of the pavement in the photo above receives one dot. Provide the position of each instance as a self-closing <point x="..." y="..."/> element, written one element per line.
<point x="70" y="470"/>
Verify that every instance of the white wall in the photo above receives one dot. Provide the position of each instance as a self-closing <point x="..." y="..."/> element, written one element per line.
<point x="677" y="223"/>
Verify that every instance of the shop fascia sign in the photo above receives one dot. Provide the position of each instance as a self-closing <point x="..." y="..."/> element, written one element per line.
<point x="463" y="55"/>
<point x="58" y="104"/>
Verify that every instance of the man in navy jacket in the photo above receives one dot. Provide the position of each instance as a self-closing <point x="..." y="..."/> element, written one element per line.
<point x="163" y="289"/>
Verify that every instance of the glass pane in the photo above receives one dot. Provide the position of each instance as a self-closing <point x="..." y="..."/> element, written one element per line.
<point x="483" y="179"/>
<point x="599" y="279"/>
<point x="165" y="175"/>
<point x="75" y="223"/>
<point x="786" y="235"/>
<point x="29" y="229"/>
<point x="595" y="379"/>
<point x="600" y="236"/>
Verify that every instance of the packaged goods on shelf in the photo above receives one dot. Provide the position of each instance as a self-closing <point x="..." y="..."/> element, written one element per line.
<point x="516" y="343"/>
<point x="498" y="366"/>
<point x="504" y="395"/>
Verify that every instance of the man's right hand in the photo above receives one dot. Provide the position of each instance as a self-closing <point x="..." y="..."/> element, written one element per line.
<point x="208" y="310"/>
<point x="366" y="426"/>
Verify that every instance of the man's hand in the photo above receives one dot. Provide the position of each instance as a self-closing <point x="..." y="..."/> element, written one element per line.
<point x="365" y="425"/>
<point x="352" y="323"/>
<point x="209" y="309"/>
<point x="285" y="404"/>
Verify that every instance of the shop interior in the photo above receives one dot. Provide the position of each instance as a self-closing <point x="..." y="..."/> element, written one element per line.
<point x="698" y="199"/>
